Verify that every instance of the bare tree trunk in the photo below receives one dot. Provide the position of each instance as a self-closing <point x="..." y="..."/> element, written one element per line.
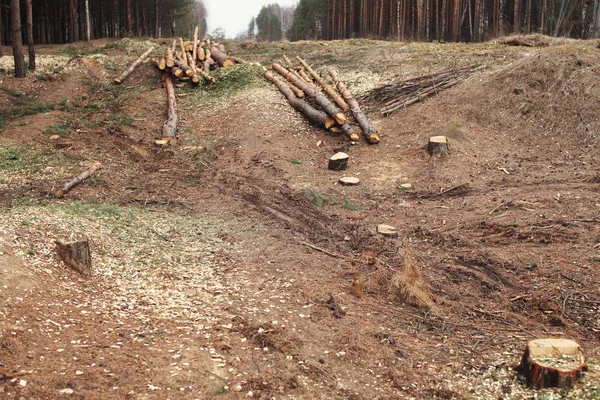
<point x="596" y="32"/>
<point x="74" y="36"/>
<point x="157" y="18"/>
<point x="30" y="48"/>
<point x="129" y="27"/>
<point x="17" y="41"/>
<point x="88" y="25"/>
<point x="1" y="32"/>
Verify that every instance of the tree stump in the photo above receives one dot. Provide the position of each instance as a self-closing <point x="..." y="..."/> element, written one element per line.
<point x="76" y="255"/>
<point x="349" y="181"/>
<point x="438" y="145"/>
<point x="387" y="231"/>
<point x="552" y="363"/>
<point x="339" y="161"/>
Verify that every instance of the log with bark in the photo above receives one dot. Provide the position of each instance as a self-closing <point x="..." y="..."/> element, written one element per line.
<point x="242" y="61"/>
<point x="338" y="161"/>
<point x="552" y="363"/>
<point x="71" y="183"/>
<point x="76" y="255"/>
<point x="129" y="70"/>
<point x="195" y="47"/>
<point x="318" y="97"/>
<point x="315" y="116"/>
<point x="368" y="129"/>
<point x="221" y="57"/>
<point x="170" y="125"/>
<point x="328" y="89"/>
<point x="187" y="70"/>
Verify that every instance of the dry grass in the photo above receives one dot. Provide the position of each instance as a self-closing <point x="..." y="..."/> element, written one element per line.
<point x="408" y="284"/>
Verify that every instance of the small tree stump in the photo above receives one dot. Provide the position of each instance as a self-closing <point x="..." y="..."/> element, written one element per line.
<point x="76" y="255"/>
<point x="349" y="181"/>
<point x="437" y="145"/>
<point x="552" y="363"/>
<point x="339" y="161"/>
<point x="387" y="231"/>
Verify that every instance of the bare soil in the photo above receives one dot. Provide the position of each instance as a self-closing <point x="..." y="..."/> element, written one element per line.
<point x="234" y="265"/>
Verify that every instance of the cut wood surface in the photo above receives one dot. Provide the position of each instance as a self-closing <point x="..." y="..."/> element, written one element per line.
<point x="221" y="57"/>
<point x="129" y="70"/>
<point x="71" y="183"/>
<point x="365" y="125"/>
<point x="349" y="181"/>
<point x="335" y="96"/>
<point x="319" y="98"/>
<point x="338" y="161"/>
<point x="387" y="230"/>
<point x="315" y="116"/>
<point x="76" y="255"/>
<point x="552" y="363"/>
<point x="170" y="61"/>
<point x="187" y="70"/>
<point x="438" y="145"/>
<point x="170" y="125"/>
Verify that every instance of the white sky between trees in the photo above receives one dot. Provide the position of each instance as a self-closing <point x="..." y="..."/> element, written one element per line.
<point x="234" y="15"/>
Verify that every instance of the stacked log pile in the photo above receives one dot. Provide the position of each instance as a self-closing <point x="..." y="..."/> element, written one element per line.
<point x="323" y="105"/>
<point x="411" y="91"/>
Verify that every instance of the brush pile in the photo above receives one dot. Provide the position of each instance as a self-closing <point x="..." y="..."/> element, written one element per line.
<point x="410" y="91"/>
<point x="318" y="101"/>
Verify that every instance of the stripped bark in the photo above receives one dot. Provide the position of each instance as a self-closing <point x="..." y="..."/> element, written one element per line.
<point x="328" y="89"/>
<point x="129" y="70"/>
<point x="369" y="131"/>
<point x="71" y="183"/>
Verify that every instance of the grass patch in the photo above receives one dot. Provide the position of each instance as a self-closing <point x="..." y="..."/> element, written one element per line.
<point x="23" y="104"/>
<point x="230" y="81"/>
<point x="121" y="119"/>
<point x="347" y="204"/>
<point x="57" y="129"/>
<point x="296" y="161"/>
<point x="315" y="197"/>
<point x="17" y="158"/>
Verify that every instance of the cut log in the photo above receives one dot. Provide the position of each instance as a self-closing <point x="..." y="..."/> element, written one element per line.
<point x="406" y="186"/>
<point x="287" y="61"/>
<point x="319" y="98"/>
<point x="328" y="89"/>
<point x="552" y="363"/>
<point x="159" y="63"/>
<point x="188" y="46"/>
<point x="129" y="70"/>
<point x="349" y="181"/>
<point x="387" y="230"/>
<point x="221" y="57"/>
<point x="187" y="70"/>
<point x="177" y="72"/>
<point x="367" y="128"/>
<point x="71" y="183"/>
<point x="302" y="75"/>
<point x="299" y="93"/>
<point x="206" y="76"/>
<point x="195" y="48"/>
<point x="76" y="255"/>
<point x="438" y="145"/>
<point x="169" y="58"/>
<point x="200" y="53"/>
<point x="242" y="61"/>
<point x="315" y="116"/>
<point x="170" y="125"/>
<point x="338" y="161"/>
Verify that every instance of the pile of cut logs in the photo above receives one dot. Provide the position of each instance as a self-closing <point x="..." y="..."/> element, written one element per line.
<point x="318" y="101"/>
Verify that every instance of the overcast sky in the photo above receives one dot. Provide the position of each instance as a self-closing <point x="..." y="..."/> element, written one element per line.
<point x="234" y="15"/>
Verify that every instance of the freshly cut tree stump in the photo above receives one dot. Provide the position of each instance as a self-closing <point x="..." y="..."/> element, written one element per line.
<point x="552" y="363"/>
<point x="76" y="255"/>
<point x="71" y="183"/>
<point x="349" y="181"/>
<point x="129" y="70"/>
<point x="338" y="161"/>
<point x="437" y="145"/>
<point x="387" y="231"/>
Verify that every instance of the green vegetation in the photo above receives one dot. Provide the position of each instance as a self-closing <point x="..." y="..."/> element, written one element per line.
<point x="19" y="158"/>
<point x="121" y="119"/>
<point x="350" y="205"/>
<point x="230" y="81"/>
<point x="314" y="197"/>
<point x="296" y="161"/>
<point x="57" y="129"/>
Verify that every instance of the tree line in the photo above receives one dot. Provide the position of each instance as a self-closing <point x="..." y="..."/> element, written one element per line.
<point x="443" y="20"/>
<point x="271" y="24"/>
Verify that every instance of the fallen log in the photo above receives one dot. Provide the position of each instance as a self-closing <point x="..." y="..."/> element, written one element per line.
<point x="287" y="61"/>
<point x="552" y="363"/>
<point x="177" y="72"/>
<point x="71" y="183"/>
<point x="221" y="57"/>
<point x="242" y="61"/>
<point x="195" y="48"/>
<point x="76" y="255"/>
<point x="129" y="70"/>
<point x="319" y="98"/>
<point x="315" y="116"/>
<point x="206" y="76"/>
<point x="170" y="125"/>
<point x="187" y="70"/>
<point x="159" y="63"/>
<point x="368" y="129"/>
<point x="328" y="89"/>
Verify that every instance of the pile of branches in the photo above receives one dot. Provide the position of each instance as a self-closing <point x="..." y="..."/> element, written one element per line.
<point x="410" y="91"/>
<point x="318" y="101"/>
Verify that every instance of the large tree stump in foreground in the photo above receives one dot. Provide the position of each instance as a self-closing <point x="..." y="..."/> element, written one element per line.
<point x="76" y="255"/>
<point x="552" y="363"/>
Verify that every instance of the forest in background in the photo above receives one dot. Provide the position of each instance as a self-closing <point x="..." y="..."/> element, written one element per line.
<point x="65" y="21"/>
<point x="443" y="20"/>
